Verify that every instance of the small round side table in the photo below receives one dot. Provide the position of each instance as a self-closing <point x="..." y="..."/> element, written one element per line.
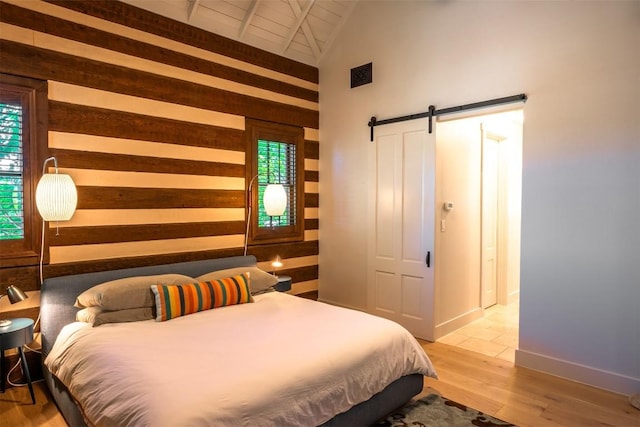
<point x="284" y="284"/>
<point x="17" y="334"/>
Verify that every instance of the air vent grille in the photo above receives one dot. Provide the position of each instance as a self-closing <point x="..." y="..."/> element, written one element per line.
<point x="362" y="75"/>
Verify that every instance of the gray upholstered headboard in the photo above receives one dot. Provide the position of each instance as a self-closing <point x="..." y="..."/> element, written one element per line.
<point x="59" y="293"/>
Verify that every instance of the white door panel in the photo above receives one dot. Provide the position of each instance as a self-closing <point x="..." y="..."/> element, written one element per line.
<point x="386" y="198"/>
<point x="401" y="223"/>
<point x="387" y="294"/>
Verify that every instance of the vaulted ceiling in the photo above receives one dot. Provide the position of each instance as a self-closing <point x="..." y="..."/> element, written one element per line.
<point x="302" y="30"/>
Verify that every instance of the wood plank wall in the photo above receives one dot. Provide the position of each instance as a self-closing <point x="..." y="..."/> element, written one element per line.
<point x="147" y="115"/>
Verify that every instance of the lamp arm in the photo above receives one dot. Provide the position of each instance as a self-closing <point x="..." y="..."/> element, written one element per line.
<point x="42" y="253"/>
<point x="250" y="199"/>
<point x="44" y="165"/>
<point x="249" y="205"/>
<point x="44" y="170"/>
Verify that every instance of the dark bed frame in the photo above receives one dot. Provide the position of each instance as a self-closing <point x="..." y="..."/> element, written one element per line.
<point x="58" y="295"/>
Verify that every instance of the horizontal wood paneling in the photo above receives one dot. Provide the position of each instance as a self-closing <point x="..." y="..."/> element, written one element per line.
<point x="131" y="16"/>
<point x="116" y="216"/>
<point x="301" y="274"/>
<point x="64" y="269"/>
<point x="138" y="233"/>
<point x="25" y="18"/>
<point x="157" y="198"/>
<point x="116" y="162"/>
<point x="311" y="224"/>
<point x="82" y="119"/>
<point x="133" y="147"/>
<point x="152" y="126"/>
<point x="311" y="149"/>
<point x="285" y="250"/>
<point x="311" y="200"/>
<point x="262" y="253"/>
<point x="312" y="176"/>
<point x="26" y="278"/>
<point x="64" y="92"/>
<point x="44" y="64"/>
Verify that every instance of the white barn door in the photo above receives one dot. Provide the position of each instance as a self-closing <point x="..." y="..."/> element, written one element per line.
<point x="401" y="226"/>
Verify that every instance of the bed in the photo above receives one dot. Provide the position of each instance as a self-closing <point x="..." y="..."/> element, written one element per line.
<point x="276" y="360"/>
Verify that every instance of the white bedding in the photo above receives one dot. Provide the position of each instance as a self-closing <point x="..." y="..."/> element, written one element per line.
<point x="282" y="360"/>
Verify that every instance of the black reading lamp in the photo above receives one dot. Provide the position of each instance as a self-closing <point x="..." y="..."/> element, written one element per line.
<point x="15" y="295"/>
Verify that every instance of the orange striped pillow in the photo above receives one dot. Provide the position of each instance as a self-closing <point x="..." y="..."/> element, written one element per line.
<point x="179" y="300"/>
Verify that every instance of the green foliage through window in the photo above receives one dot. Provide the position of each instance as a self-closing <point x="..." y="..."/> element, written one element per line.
<point x="276" y="165"/>
<point x="11" y="172"/>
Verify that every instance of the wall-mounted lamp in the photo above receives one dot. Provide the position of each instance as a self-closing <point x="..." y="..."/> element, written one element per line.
<point x="56" y="199"/>
<point x="274" y="201"/>
<point x="15" y="295"/>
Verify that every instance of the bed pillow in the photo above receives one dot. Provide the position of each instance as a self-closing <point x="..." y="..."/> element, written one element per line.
<point x="129" y="292"/>
<point x="179" y="300"/>
<point x="260" y="279"/>
<point x="96" y="316"/>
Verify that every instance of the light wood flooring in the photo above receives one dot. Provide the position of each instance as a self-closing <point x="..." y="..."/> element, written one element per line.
<point x="492" y="385"/>
<point x="495" y="334"/>
<point x="522" y="396"/>
<point x="16" y="409"/>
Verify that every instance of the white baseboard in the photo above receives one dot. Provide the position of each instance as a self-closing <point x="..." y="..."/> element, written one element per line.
<point x="513" y="297"/>
<point x="456" y="323"/>
<point x="580" y="373"/>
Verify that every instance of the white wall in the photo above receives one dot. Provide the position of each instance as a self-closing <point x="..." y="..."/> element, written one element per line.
<point x="457" y="248"/>
<point x="579" y="64"/>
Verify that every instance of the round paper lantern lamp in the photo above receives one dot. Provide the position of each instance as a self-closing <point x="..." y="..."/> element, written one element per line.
<point x="56" y="197"/>
<point x="275" y="199"/>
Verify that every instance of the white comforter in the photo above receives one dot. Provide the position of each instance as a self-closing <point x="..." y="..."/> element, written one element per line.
<point x="281" y="361"/>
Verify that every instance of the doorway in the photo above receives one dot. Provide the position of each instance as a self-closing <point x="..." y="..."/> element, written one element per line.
<point x="477" y="240"/>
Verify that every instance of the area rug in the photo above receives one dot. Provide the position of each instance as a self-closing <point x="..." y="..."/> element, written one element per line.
<point x="438" y="411"/>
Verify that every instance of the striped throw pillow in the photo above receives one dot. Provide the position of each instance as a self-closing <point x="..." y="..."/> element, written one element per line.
<point x="179" y="300"/>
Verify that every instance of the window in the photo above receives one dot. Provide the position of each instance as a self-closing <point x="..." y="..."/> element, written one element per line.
<point x="23" y="133"/>
<point x="275" y="155"/>
<point x="11" y="168"/>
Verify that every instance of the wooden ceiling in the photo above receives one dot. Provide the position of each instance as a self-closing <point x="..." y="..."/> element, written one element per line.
<point x="302" y="30"/>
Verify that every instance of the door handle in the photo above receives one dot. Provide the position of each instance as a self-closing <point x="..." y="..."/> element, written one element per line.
<point x="428" y="259"/>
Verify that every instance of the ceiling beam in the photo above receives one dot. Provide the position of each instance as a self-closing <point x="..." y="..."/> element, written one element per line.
<point x="301" y="16"/>
<point x="193" y="6"/>
<point x="248" y="16"/>
<point x="336" y="29"/>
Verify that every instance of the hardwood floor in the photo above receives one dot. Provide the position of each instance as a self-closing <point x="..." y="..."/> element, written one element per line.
<point x="492" y="385"/>
<point x="522" y="396"/>
<point x="16" y="409"/>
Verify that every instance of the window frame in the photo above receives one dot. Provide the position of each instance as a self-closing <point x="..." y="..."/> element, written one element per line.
<point x="260" y="130"/>
<point x="34" y="96"/>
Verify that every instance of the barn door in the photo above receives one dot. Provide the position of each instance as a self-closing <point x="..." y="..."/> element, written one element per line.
<point x="401" y="226"/>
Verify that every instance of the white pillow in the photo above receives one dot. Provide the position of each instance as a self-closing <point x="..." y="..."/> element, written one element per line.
<point x="259" y="280"/>
<point x="96" y="316"/>
<point x="128" y="292"/>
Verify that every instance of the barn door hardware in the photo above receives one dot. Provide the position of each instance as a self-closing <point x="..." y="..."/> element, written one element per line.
<point x="432" y="112"/>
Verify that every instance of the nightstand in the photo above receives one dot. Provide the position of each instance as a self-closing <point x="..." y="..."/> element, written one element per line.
<point x="284" y="284"/>
<point x="17" y="334"/>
